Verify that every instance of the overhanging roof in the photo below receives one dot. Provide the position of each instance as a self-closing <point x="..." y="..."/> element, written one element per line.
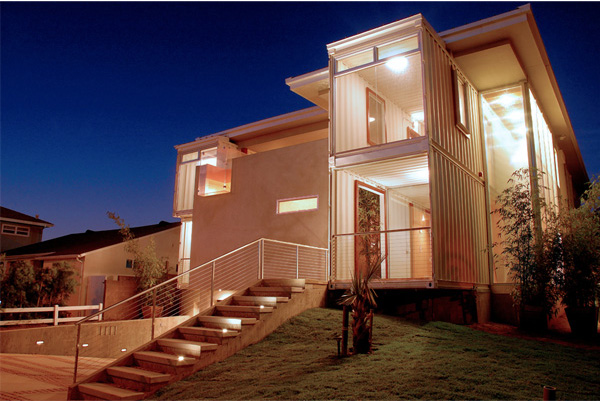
<point x="506" y="49"/>
<point x="13" y="216"/>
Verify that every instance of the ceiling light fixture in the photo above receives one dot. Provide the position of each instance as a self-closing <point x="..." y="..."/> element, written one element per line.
<point x="397" y="64"/>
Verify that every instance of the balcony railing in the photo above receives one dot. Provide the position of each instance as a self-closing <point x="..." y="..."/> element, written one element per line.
<point x="172" y="302"/>
<point x="405" y="253"/>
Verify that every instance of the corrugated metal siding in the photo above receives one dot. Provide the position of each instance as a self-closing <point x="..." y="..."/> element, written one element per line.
<point x="459" y="224"/>
<point x="457" y="195"/>
<point x="443" y="132"/>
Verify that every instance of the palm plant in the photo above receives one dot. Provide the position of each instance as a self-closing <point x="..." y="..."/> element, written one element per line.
<point x="361" y="298"/>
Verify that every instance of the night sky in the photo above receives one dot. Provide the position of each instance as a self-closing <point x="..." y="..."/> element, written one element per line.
<point x="94" y="96"/>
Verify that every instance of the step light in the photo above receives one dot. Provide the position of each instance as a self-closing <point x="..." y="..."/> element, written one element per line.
<point x="180" y="358"/>
<point x="85" y="345"/>
<point x="123" y="349"/>
<point x="39" y="342"/>
<point x="224" y="330"/>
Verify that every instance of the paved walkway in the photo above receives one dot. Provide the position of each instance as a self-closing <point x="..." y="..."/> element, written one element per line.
<point x="36" y="377"/>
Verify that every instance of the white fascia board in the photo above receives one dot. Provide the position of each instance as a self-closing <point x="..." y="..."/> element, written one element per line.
<point x="478" y="27"/>
<point x="374" y="34"/>
<point x="26" y="222"/>
<point x="255" y="126"/>
<point x="308" y="78"/>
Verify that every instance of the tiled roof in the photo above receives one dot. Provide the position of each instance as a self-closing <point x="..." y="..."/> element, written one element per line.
<point x="76" y="244"/>
<point x="13" y="215"/>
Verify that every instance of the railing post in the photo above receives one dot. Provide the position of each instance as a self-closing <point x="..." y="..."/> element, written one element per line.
<point x="261" y="260"/>
<point x="100" y="307"/>
<point x="153" y="312"/>
<point x="297" y="265"/>
<point x="55" y="315"/>
<point x="327" y="269"/>
<point x="212" y="285"/>
<point x="76" y="354"/>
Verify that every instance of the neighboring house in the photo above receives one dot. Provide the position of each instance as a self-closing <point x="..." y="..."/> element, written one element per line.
<point x="100" y="259"/>
<point x="412" y="137"/>
<point x="18" y="229"/>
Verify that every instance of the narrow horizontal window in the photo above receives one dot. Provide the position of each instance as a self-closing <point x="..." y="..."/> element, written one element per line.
<point x="356" y="60"/>
<point x="399" y="47"/>
<point x="15" y="230"/>
<point x="293" y="205"/>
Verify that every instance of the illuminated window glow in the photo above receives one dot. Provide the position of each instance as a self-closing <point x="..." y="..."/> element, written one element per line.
<point x="294" y="205"/>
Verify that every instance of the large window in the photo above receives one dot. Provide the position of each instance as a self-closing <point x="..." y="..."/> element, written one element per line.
<point x="186" y="175"/>
<point x="378" y="95"/>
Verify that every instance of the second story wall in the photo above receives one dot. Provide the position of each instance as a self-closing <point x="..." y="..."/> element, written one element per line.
<point x="461" y="141"/>
<point x="222" y="223"/>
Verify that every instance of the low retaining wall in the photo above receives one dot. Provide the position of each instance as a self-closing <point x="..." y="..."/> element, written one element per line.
<point x="60" y="340"/>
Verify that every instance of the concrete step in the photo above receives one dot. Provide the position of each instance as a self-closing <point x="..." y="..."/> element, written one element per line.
<point x="183" y="347"/>
<point x="105" y="391"/>
<point x="137" y="374"/>
<point x="223" y="322"/>
<point x="207" y="334"/>
<point x="164" y="362"/>
<point x="240" y="311"/>
<point x="274" y="291"/>
<point x="284" y="282"/>
<point x="137" y="379"/>
<point x="257" y="301"/>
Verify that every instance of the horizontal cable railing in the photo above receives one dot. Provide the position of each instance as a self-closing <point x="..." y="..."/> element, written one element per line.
<point x="405" y="253"/>
<point x="134" y="321"/>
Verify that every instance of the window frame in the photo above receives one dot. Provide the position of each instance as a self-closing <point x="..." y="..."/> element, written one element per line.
<point x="279" y="201"/>
<point x="459" y="81"/>
<point x="15" y="230"/>
<point x="376" y="97"/>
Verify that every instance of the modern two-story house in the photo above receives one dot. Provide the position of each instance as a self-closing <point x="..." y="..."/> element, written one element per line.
<point x="412" y="136"/>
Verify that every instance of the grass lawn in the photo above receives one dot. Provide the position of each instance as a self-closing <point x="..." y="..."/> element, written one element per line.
<point x="431" y="361"/>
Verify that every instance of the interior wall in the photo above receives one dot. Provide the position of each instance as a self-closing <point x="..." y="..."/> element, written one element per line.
<point x="351" y="114"/>
<point x="222" y="223"/>
<point x="399" y="248"/>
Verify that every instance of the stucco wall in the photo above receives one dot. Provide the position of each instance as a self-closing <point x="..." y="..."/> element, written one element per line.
<point x="222" y="223"/>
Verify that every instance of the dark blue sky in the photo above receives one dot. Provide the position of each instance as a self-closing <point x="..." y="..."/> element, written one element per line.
<point x="95" y="95"/>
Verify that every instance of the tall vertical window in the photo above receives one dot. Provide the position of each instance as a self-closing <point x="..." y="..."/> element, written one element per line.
<point x="375" y="118"/>
<point x="461" y="99"/>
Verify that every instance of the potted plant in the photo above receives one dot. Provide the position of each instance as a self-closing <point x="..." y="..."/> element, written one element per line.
<point x="581" y="274"/>
<point x="532" y="255"/>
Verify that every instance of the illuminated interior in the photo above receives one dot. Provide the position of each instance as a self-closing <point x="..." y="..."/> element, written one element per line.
<point x="381" y="102"/>
<point x="213" y="180"/>
<point x="507" y="151"/>
<point x="506" y="145"/>
<point x="402" y="186"/>
<point x="297" y="205"/>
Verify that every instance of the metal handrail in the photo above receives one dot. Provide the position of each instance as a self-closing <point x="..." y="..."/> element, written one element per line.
<point x="137" y="297"/>
<point x="172" y="279"/>
<point x="383" y="232"/>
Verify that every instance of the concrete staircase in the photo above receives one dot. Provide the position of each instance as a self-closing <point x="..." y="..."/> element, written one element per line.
<point x="240" y="320"/>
